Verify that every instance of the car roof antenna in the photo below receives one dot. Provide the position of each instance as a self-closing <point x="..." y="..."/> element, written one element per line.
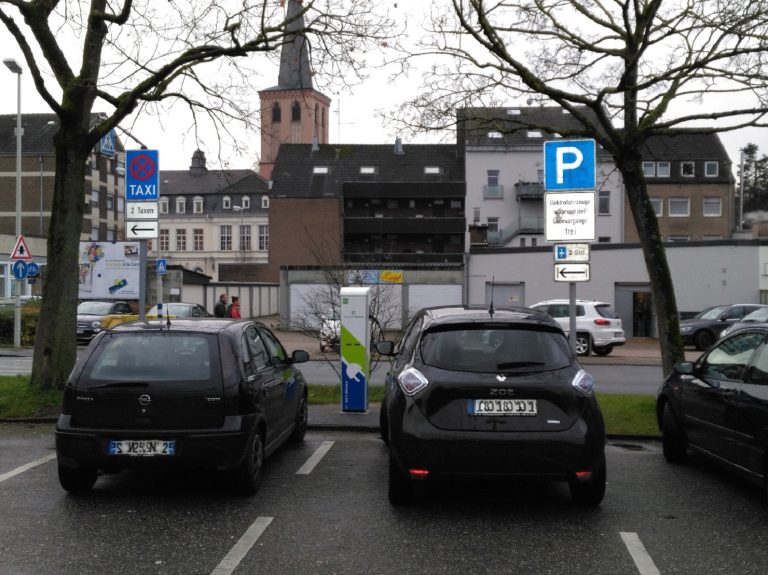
<point x="493" y="285"/>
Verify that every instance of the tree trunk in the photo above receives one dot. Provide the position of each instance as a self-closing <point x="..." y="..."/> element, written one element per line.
<point x="56" y="340"/>
<point x="662" y="289"/>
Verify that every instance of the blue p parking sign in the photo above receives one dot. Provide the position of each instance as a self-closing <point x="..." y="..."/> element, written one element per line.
<point x="569" y="165"/>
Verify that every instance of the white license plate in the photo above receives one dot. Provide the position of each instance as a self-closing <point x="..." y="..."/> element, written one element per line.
<point x="142" y="447"/>
<point x="502" y="407"/>
<point x="80" y="331"/>
<point x="618" y="334"/>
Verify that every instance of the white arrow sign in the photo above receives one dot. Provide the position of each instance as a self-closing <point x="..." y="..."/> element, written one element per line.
<point x="141" y="230"/>
<point x="571" y="272"/>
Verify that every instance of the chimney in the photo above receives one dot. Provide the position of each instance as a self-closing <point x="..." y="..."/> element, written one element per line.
<point x="398" y="146"/>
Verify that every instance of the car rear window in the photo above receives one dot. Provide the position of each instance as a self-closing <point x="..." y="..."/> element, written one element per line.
<point x="495" y="349"/>
<point x="155" y="357"/>
<point x="606" y="311"/>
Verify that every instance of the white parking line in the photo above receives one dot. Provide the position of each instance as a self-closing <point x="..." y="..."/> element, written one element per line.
<point x="27" y="467"/>
<point x="637" y="550"/>
<point x="310" y="464"/>
<point x="241" y="548"/>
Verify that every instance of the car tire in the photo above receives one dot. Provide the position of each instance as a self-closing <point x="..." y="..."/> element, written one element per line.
<point x="302" y="417"/>
<point x="673" y="441"/>
<point x="401" y="488"/>
<point x="583" y="344"/>
<point x="251" y="471"/>
<point x="384" y="425"/>
<point x="703" y="339"/>
<point x="77" y="479"/>
<point x="590" y="493"/>
<point x="604" y="350"/>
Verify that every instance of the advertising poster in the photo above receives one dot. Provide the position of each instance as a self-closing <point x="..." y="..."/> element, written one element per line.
<point x="109" y="270"/>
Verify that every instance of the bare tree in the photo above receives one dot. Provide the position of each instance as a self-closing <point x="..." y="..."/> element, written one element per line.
<point x="640" y="68"/>
<point x="135" y="56"/>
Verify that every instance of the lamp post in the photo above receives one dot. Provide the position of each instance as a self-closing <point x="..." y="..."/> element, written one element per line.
<point x="241" y="235"/>
<point x="13" y="66"/>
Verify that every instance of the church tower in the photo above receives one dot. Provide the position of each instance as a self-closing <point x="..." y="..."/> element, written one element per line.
<point x="293" y="111"/>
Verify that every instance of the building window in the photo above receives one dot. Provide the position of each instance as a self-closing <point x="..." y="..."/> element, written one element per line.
<point x="276" y="113"/>
<point x="94" y="198"/>
<point x="708" y="238"/>
<point x="264" y="202"/>
<point x="181" y="205"/>
<point x="197" y="205"/>
<point x="245" y="237"/>
<point x="263" y="237"/>
<point x="164" y="240"/>
<point x="296" y="112"/>
<point x="181" y="240"/>
<point x="245" y="202"/>
<point x="111" y="235"/>
<point x="94" y="233"/>
<point x="604" y="239"/>
<point x="663" y="169"/>
<point x="320" y="170"/>
<point x="493" y="191"/>
<point x="110" y="202"/>
<point x="678" y="238"/>
<point x="658" y="206"/>
<point x="368" y="170"/>
<point x="163" y="205"/>
<point x="604" y="203"/>
<point x="432" y="170"/>
<point x="534" y="134"/>
<point x="225" y="237"/>
<point x="687" y="169"/>
<point x="522" y="242"/>
<point x="679" y="207"/>
<point x="711" y="169"/>
<point x="649" y="169"/>
<point x="713" y="207"/>
<point x="198" y="235"/>
<point x="494" y="135"/>
<point x="493" y="235"/>
<point x="226" y="203"/>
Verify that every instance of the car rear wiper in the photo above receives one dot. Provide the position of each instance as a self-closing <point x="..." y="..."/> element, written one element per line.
<point x="514" y="364"/>
<point x="121" y="384"/>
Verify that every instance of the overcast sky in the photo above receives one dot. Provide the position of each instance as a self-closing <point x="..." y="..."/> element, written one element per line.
<point x="353" y="119"/>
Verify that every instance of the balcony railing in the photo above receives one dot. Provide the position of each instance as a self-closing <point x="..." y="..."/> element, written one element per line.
<point x="493" y="192"/>
<point x="529" y="190"/>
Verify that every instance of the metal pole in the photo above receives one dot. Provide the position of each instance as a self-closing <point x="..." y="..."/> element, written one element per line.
<point x="17" y="300"/>
<point x="741" y="191"/>
<point x="572" y="314"/>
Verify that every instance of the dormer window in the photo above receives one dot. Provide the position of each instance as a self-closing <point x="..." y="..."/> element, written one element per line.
<point x="711" y="169"/>
<point x="245" y="201"/>
<point x="264" y="202"/>
<point x="534" y="134"/>
<point x="197" y="205"/>
<point x="320" y="170"/>
<point x="663" y="169"/>
<point x="494" y="135"/>
<point x="163" y="205"/>
<point x="687" y="169"/>
<point x="226" y="203"/>
<point x="432" y="170"/>
<point x="181" y="205"/>
<point x="368" y="170"/>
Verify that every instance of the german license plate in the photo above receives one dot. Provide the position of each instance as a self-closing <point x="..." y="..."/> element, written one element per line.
<point x="618" y="334"/>
<point x="142" y="447"/>
<point x="502" y="407"/>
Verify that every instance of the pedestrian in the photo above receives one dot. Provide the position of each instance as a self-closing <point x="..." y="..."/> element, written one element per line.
<point x="220" y="309"/>
<point x="234" y="308"/>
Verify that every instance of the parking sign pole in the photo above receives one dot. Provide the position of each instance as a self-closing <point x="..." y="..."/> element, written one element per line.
<point x="572" y="314"/>
<point x="142" y="279"/>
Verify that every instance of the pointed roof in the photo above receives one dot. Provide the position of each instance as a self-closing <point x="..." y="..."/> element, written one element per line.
<point x="295" y="72"/>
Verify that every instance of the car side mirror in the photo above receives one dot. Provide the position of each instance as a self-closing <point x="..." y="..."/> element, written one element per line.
<point x="385" y="347"/>
<point x="684" y="368"/>
<point x="299" y="356"/>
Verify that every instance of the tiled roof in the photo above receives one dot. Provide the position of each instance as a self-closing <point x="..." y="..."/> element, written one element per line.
<point x="685" y="145"/>
<point x="39" y="130"/>
<point x="294" y="172"/>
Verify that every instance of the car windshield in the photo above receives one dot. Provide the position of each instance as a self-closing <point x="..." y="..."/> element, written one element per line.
<point x="711" y="312"/>
<point x="499" y="349"/>
<point x="760" y="314"/>
<point x="151" y="357"/>
<point x="94" y="307"/>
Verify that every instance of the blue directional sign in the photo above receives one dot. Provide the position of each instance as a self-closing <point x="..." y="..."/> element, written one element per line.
<point x="33" y="270"/>
<point x="569" y="165"/>
<point x="20" y="269"/>
<point x="161" y="267"/>
<point x="142" y="176"/>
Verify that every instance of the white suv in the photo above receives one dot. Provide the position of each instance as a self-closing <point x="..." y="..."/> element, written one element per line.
<point x="598" y="328"/>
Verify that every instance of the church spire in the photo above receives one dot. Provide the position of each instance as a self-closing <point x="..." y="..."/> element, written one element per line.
<point x="295" y="73"/>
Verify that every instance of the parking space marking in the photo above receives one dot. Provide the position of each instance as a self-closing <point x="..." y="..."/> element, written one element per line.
<point x="27" y="467"/>
<point x="642" y="559"/>
<point x="310" y="464"/>
<point x="241" y="548"/>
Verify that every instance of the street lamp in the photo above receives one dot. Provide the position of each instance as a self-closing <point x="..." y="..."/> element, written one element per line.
<point x="13" y="66"/>
<point x="242" y="210"/>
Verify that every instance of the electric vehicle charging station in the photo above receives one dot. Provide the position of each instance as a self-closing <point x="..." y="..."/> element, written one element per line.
<point x="354" y="348"/>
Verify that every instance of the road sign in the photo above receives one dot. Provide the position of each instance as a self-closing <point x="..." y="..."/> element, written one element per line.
<point x="569" y="216"/>
<point x="142" y="211"/>
<point x="33" y="270"/>
<point x="571" y="272"/>
<point x="141" y="230"/>
<point x="142" y="176"/>
<point x="161" y="267"/>
<point x="569" y="165"/>
<point x="20" y="269"/>
<point x="20" y="250"/>
<point x="571" y="253"/>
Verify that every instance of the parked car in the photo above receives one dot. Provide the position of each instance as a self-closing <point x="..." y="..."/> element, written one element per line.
<point x="760" y="315"/>
<point x="598" y="328"/>
<point x="179" y="310"/>
<point x="718" y="405"/>
<point x="489" y="393"/>
<point x="706" y="327"/>
<point x="220" y="393"/>
<point x="91" y="313"/>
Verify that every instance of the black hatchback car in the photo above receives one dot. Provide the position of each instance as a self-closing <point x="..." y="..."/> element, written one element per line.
<point x="491" y="393"/>
<point x="718" y="405"/>
<point x="182" y="394"/>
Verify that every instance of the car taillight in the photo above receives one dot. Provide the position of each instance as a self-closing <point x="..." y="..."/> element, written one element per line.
<point x="584" y="383"/>
<point x="602" y="322"/>
<point x="412" y="381"/>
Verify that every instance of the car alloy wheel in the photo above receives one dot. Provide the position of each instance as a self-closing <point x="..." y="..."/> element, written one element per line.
<point x="250" y="472"/>
<point x="703" y="340"/>
<point x="583" y="344"/>
<point x="300" y="429"/>
<point x="590" y="492"/>
<point x="674" y="443"/>
<point x="77" y="479"/>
